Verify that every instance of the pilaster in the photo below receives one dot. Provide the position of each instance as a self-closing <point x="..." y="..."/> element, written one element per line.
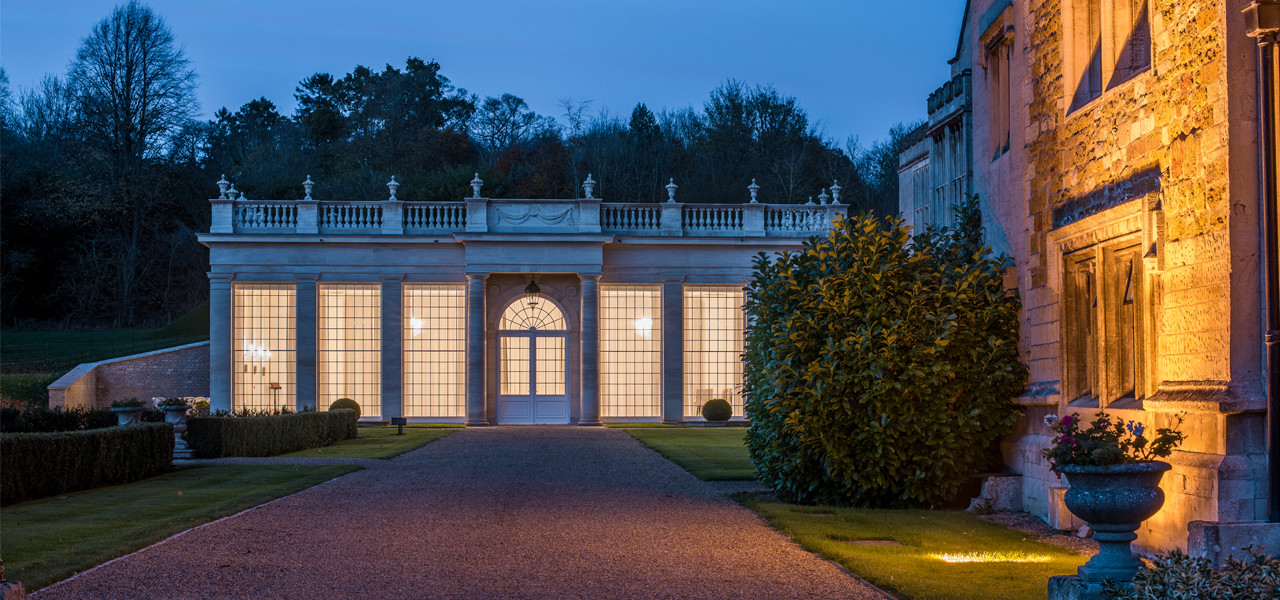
<point x="220" y="341"/>
<point x="590" y="350"/>
<point x="392" y="343"/>
<point x="672" y="349"/>
<point x="305" y="341"/>
<point x="476" y="415"/>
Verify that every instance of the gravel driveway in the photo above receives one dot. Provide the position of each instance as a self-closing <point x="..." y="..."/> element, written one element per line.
<point x="503" y="512"/>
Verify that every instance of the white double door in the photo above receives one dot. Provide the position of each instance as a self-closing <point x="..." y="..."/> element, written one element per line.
<point x="533" y="369"/>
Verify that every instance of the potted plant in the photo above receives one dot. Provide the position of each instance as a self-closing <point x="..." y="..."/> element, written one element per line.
<point x="128" y="411"/>
<point x="175" y="414"/>
<point x="1114" y="480"/>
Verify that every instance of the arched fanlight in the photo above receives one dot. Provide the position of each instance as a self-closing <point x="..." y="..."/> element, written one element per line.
<point x="531" y="293"/>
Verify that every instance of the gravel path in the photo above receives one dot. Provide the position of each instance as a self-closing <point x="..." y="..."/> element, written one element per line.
<point x="506" y="512"/>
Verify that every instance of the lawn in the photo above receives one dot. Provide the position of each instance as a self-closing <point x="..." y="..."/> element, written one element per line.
<point x="710" y="453"/>
<point x="59" y="351"/>
<point x="45" y="541"/>
<point x="915" y="569"/>
<point x="379" y="442"/>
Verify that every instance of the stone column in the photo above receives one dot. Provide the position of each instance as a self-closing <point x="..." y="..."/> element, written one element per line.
<point x="220" y="341"/>
<point x="590" y="333"/>
<point x="672" y="349"/>
<point x="392" y="342"/>
<point x="475" y="351"/>
<point x="305" y="342"/>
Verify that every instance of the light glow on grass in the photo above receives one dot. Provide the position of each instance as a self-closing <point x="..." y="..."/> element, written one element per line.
<point x="990" y="557"/>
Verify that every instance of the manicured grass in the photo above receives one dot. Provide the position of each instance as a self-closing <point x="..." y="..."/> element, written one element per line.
<point x="48" y="540"/>
<point x="910" y="570"/>
<point x="640" y="426"/>
<point x="710" y="453"/>
<point x="28" y="351"/>
<point x="379" y="442"/>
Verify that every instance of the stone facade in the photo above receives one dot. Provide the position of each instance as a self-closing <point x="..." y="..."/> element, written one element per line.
<point x="181" y="371"/>
<point x="1128" y="197"/>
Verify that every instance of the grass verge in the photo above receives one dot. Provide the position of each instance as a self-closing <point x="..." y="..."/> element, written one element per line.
<point x="915" y="569"/>
<point x="59" y="351"/>
<point x="378" y="442"/>
<point x="711" y="454"/>
<point x="48" y="540"/>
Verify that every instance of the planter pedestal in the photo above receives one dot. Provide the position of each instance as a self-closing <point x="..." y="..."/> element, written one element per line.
<point x="1114" y="500"/>
<point x="177" y="416"/>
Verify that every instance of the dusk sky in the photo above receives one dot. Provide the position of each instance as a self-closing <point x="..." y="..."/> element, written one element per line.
<point x="857" y="67"/>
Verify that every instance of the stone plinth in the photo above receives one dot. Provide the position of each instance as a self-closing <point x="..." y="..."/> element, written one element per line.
<point x="1220" y="541"/>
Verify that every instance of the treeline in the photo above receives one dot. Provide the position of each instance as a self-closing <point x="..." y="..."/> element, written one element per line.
<point x="105" y="175"/>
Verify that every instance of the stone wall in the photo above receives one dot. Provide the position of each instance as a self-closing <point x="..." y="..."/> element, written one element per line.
<point x="1166" y="160"/>
<point x="178" y="371"/>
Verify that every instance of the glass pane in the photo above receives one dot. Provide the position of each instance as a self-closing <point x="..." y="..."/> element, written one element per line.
<point x="514" y="359"/>
<point x="435" y="338"/>
<point x="263" y="359"/>
<point x="549" y="355"/>
<point x="713" y="338"/>
<point x="521" y="316"/>
<point x="349" y="326"/>
<point x="630" y="351"/>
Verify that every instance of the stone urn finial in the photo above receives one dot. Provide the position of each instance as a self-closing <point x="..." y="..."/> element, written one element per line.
<point x="835" y="191"/>
<point x="754" y="189"/>
<point x="823" y="197"/>
<point x="307" y="186"/>
<point x="810" y="202"/>
<point x="476" y="184"/>
<point x="393" y="185"/>
<point x="223" y="184"/>
<point x="232" y="192"/>
<point x="589" y="186"/>
<point x="671" y="190"/>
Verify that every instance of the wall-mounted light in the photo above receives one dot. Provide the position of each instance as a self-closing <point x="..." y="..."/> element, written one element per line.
<point x="644" y="327"/>
<point x="531" y="293"/>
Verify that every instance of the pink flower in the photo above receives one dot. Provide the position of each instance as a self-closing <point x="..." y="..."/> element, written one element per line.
<point x="1070" y="441"/>
<point x="1067" y="420"/>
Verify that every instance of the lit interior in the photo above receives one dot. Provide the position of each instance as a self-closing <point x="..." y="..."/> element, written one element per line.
<point x="435" y="339"/>
<point x="532" y="361"/>
<point x="630" y="351"/>
<point x="349" y="345"/>
<point x="263" y="358"/>
<point x="713" y="344"/>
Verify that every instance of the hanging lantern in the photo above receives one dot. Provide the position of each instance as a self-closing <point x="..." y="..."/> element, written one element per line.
<point x="531" y="293"/>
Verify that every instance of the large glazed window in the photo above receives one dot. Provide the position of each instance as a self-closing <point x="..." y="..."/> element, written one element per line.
<point x="541" y="315"/>
<point x="350" y="345"/>
<point x="630" y="350"/>
<point x="713" y="335"/>
<point x="435" y="338"/>
<point x="263" y="338"/>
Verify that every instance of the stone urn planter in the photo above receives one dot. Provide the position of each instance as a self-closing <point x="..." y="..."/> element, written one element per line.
<point x="128" y="415"/>
<point x="177" y="416"/>
<point x="1114" y="500"/>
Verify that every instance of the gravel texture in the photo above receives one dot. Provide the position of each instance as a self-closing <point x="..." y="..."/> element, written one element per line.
<point x="505" y="512"/>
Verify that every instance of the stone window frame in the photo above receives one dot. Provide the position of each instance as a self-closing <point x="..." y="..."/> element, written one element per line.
<point x="1099" y="49"/>
<point x="1099" y="239"/>
<point x="996" y="59"/>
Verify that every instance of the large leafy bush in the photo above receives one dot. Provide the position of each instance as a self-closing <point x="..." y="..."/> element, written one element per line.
<point x="880" y="368"/>
<point x="268" y="435"/>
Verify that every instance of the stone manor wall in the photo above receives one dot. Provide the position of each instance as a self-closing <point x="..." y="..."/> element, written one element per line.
<point x="1167" y="161"/>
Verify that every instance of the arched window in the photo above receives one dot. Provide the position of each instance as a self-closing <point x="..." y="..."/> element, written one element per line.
<point x="540" y="316"/>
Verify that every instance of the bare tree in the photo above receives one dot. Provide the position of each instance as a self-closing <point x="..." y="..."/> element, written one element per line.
<point x="135" y="89"/>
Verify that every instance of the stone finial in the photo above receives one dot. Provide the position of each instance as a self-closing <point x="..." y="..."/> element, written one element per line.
<point x="307" y="187"/>
<point x="823" y="197"/>
<point x="754" y="189"/>
<point x="223" y="184"/>
<point x="476" y="184"/>
<point x="671" y="190"/>
<point x="810" y="202"/>
<point x="589" y="186"/>
<point x="393" y="185"/>
<point x="835" y="191"/>
<point x="232" y="192"/>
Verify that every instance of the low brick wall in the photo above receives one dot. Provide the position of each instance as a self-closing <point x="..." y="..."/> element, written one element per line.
<point x="178" y="371"/>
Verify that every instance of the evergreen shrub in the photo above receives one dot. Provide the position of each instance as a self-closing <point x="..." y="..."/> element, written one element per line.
<point x="35" y="465"/>
<point x="346" y="403"/>
<point x="1176" y="576"/>
<point x="717" y="410"/>
<point x="880" y="368"/>
<point x="268" y="435"/>
<point x="37" y="419"/>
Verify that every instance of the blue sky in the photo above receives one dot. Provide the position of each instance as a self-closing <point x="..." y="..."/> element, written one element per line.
<point x="857" y="66"/>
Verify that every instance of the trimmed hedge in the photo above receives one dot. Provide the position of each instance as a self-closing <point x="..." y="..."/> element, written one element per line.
<point x="35" y="465"/>
<point x="268" y="435"/>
